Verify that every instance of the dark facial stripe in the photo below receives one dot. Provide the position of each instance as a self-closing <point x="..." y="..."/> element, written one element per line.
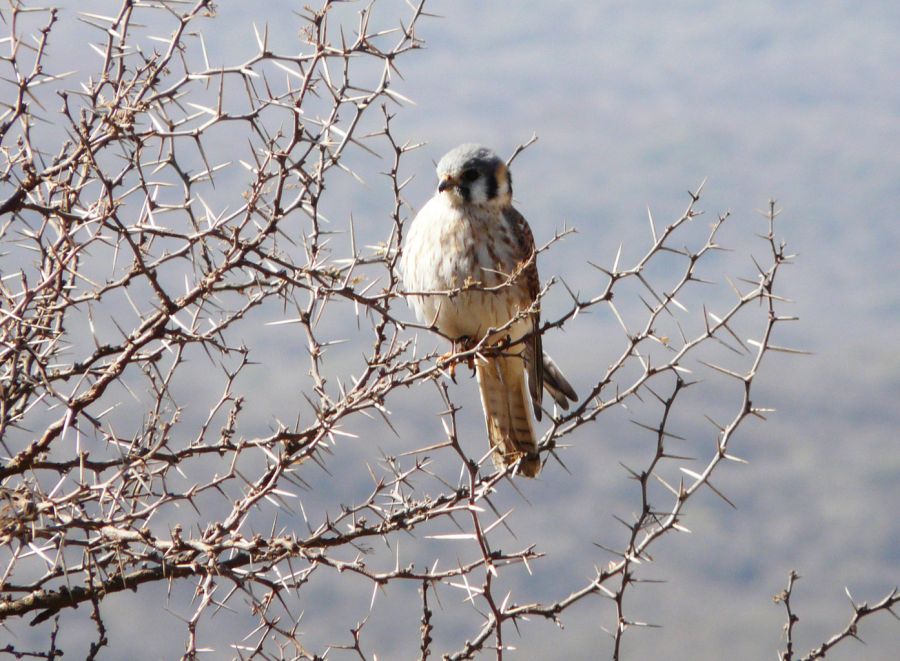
<point x="491" y="185"/>
<point x="466" y="193"/>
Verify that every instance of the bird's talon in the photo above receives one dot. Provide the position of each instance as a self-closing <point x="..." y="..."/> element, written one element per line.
<point x="448" y="362"/>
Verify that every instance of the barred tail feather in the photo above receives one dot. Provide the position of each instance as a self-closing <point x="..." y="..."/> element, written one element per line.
<point x="506" y="401"/>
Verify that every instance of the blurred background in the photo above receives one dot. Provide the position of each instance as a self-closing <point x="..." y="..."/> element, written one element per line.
<point x="634" y="104"/>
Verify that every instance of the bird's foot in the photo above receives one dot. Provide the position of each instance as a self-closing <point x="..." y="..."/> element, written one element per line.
<point x="450" y="361"/>
<point x="466" y="344"/>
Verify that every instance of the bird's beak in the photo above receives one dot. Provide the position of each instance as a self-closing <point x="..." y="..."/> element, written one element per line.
<point x="447" y="182"/>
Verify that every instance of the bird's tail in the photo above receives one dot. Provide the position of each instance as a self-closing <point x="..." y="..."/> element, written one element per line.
<point x="505" y="398"/>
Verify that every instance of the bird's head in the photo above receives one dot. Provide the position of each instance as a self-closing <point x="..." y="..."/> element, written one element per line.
<point x="472" y="174"/>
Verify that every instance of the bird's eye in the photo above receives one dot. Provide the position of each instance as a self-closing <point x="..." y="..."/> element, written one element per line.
<point x="470" y="175"/>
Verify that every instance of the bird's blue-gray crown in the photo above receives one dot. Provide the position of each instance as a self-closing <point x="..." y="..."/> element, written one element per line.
<point x="474" y="174"/>
<point x="469" y="155"/>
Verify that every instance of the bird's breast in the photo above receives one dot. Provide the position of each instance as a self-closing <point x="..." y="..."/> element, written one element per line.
<point x="454" y="247"/>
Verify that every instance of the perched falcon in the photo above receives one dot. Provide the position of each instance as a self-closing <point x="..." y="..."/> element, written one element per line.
<point x="470" y="244"/>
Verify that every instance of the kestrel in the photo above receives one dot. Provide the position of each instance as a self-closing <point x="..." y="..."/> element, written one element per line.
<point x="470" y="246"/>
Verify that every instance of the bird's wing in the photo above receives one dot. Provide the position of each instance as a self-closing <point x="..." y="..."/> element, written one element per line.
<point x="557" y="385"/>
<point x="526" y="254"/>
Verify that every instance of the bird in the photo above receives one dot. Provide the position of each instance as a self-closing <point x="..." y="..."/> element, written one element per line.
<point x="470" y="246"/>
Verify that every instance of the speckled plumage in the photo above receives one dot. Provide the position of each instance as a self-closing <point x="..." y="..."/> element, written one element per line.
<point x="469" y="236"/>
